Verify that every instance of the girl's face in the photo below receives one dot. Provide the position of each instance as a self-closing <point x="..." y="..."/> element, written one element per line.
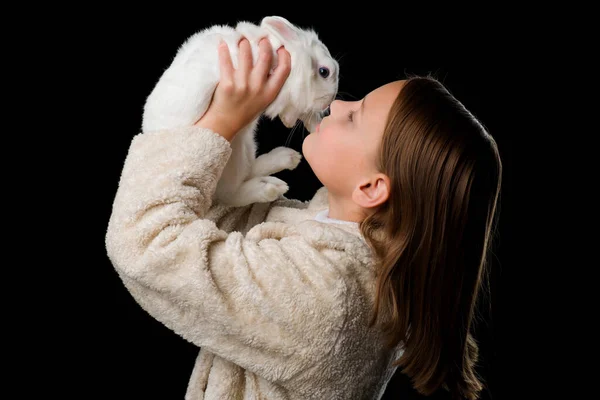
<point x="342" y="151"/>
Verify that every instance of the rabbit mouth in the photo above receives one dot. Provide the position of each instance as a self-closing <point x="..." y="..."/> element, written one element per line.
<point x="313" y="117"/>
<point x="311" y="120"/>
<point x="319" y="114"/>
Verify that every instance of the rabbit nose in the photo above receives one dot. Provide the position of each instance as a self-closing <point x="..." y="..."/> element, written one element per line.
<point x="326" y="112"/>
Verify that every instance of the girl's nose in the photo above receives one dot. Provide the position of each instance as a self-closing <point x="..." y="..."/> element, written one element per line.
<point x="334" y="104"/>
<point x="337" y="104"/>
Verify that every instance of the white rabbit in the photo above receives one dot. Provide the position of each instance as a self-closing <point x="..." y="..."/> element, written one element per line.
<point x="184" y="91"/>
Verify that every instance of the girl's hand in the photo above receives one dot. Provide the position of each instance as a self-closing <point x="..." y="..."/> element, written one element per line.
<point x="243" y="94"/>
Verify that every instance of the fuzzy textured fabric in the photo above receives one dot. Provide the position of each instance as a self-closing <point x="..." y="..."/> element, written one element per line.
<point x="276" y="296"/>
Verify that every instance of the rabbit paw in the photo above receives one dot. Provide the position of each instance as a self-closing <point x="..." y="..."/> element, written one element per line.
<point x="269" y="188"/>
<point x="276" y="160"/>
<point x="286" y="157"/>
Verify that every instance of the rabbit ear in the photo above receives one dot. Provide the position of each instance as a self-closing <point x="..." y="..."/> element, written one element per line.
<point x="281" y="27"/>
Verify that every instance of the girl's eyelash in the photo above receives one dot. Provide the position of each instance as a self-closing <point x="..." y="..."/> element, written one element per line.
<point x="350" y="116"/>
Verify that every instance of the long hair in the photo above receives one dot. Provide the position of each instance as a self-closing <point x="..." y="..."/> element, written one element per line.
<point x="432" y="236"/>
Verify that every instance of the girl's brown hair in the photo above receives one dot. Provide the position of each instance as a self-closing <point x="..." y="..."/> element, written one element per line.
<point x="433" y="235"/>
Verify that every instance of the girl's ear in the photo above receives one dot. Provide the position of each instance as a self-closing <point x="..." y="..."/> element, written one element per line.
<point x="372" y="192"/>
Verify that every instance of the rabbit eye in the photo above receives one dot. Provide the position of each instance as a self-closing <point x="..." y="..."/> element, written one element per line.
<point x="324" y="72"/>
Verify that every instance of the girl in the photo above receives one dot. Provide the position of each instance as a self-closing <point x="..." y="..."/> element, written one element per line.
<point x="320" y="299"/>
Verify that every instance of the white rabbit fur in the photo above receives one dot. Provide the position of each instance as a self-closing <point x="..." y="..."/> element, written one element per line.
<point x="184" y="91"/>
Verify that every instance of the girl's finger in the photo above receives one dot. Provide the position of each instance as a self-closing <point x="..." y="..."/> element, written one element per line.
<point x="225" y="64"/>
<point x="245" y="57"/>
<point x="263" y="65"/>
<point x="281" y="72"/>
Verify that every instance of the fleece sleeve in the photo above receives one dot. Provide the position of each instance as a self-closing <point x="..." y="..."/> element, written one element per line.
<point x="270" y="305"/>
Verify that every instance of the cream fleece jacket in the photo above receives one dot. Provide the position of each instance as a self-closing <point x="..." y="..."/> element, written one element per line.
<point x="276" y="295"/>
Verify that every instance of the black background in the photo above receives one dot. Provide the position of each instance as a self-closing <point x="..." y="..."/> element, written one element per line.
<point x="122" y="352"/>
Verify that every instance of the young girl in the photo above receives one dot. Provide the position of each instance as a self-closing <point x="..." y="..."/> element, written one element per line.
<point x="320" y="299"/>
